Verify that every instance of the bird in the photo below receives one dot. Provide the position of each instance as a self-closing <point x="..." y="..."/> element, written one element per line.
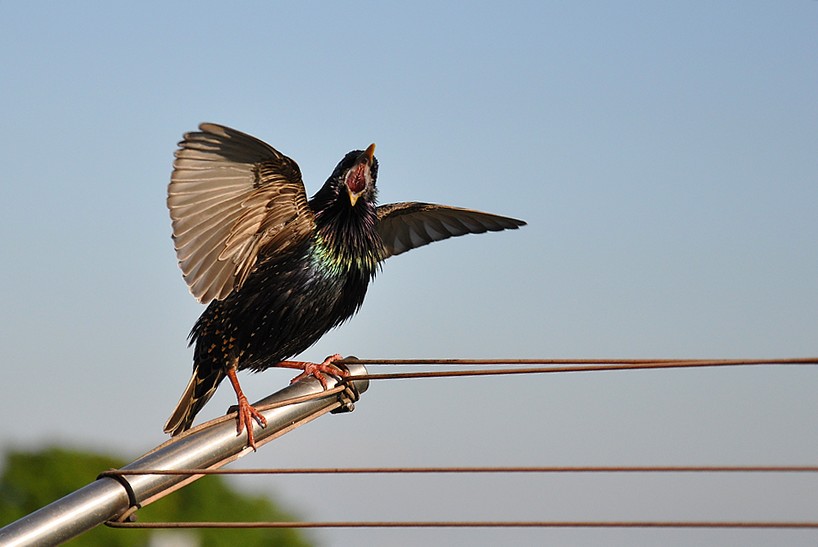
<point x="278" y="270"/>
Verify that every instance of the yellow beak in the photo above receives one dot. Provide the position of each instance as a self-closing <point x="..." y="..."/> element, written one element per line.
<point x="370" y="152"/>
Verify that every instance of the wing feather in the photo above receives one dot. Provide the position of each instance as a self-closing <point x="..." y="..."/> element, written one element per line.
<point x="231" y="195"/>
<point x="405" y="226"/>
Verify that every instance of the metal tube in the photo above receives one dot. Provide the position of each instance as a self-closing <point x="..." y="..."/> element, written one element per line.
<point x="210" y="445"/>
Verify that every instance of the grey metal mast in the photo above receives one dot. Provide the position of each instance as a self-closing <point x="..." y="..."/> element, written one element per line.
<point x="210" y="445"/>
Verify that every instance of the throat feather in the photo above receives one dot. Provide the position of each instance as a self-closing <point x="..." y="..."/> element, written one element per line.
<point x="347" y="252"/>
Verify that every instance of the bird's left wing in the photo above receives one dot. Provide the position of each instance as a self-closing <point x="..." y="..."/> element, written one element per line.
<point x="405" y="226"/>
<point x="231" y="194"/>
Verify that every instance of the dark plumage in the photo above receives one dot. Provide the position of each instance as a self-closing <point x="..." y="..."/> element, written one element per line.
<point x="277" y="270"/>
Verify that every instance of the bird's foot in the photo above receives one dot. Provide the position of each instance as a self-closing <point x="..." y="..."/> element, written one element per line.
<point x="316" y="370"/>
<point x="246" y="414"/>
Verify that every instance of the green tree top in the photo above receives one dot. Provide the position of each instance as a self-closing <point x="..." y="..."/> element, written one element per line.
<point x="33" y="479"/>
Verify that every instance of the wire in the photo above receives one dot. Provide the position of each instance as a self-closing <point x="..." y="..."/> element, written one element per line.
<point x="477" y="524"/>
<point x="700" y="362"/>
<point x="514" y="469"/>
<point x="561" y="365"/>
<point x="509" y="366"/>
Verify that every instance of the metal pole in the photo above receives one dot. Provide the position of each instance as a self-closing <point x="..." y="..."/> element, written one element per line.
<point x="210" y="445"/>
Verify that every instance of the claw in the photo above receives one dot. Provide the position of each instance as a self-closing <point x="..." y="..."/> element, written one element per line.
<point x="246" y="413"/>
<point x="316" y="370"/>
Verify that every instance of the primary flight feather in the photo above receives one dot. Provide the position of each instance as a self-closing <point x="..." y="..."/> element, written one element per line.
<point x="278" y="270"/>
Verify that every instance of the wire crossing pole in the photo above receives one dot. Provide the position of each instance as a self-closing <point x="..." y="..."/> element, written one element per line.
<point x="210" y="445"/>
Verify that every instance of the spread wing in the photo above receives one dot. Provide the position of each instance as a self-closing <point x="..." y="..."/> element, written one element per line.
<point x="405" y="226"/>
<point x="230" y="194"/>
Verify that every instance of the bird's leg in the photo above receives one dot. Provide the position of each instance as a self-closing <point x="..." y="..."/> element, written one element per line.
<point x="246" y="412"/>
<point x="317" y="370"/>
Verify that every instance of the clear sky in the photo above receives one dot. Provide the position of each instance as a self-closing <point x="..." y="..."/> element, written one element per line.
<point x="665" y="156"/>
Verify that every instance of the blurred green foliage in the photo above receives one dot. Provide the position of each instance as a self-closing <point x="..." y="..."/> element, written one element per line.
<point x="33" y="479"/>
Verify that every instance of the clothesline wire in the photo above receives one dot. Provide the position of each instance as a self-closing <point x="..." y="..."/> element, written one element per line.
<point x="480" y="469"/>
<point x="509" y="366"/>
<point x="558" y="366"/>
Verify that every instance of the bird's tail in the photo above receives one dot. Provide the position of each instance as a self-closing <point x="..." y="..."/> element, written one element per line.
<point x="199" y="390"/>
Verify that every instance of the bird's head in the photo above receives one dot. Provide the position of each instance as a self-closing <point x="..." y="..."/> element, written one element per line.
<point x="357" y="173"/>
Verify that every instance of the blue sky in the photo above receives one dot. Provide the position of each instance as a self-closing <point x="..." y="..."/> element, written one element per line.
<point x="663" y="154"/>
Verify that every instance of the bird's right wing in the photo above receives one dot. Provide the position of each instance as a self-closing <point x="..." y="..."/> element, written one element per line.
<point x="229" y="195"/>
<point x="405" y="226"/>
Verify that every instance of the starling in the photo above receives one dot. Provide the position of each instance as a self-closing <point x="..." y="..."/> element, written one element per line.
<point x="277" y="270"/>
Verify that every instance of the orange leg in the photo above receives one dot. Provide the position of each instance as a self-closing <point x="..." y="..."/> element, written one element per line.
<point x="246" y="412"/>
<point x="317" y="370"/>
